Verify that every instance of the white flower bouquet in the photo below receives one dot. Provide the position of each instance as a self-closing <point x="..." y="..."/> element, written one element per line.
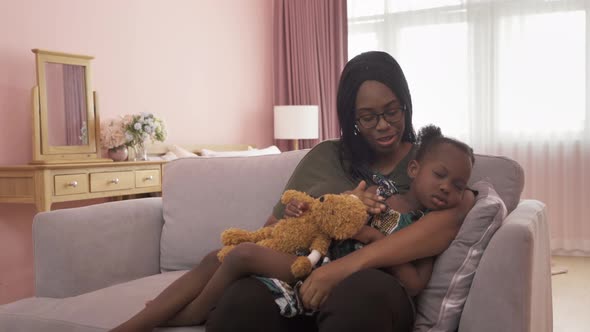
<point x="132" y="130"/>
<point x="141" y="127"/>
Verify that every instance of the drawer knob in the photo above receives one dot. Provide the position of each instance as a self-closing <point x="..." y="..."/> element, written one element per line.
<point x="115" y="180"/>
<point x="73" y="184"/>
<point x="149" y="178"/>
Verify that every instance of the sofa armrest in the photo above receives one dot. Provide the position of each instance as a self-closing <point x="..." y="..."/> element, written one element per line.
<point x="83" y="249"/>
<point x="511" y="290"/>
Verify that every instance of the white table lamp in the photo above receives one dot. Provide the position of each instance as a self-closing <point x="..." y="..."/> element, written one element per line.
<point x="296" y="122"/>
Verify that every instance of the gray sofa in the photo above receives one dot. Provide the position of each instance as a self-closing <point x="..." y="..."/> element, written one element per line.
<point x="95" y="266"/>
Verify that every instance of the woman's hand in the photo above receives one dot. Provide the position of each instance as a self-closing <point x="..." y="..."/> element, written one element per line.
<point x="373" y="201"/>
<point x="368" y="234"/>
<point x="295" y="208"/>
<point x="318" y="285"/>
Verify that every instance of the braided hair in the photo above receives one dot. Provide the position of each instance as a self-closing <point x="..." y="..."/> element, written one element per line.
<point x="430" y="136"/>
<point x="376" y="66"/>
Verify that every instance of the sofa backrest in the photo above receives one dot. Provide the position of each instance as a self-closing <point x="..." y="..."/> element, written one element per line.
<point x="203" y="196"/>
<point x="505" y="174"/>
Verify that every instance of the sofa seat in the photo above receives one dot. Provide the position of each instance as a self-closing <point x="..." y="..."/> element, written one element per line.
<point x="89" y="312"/>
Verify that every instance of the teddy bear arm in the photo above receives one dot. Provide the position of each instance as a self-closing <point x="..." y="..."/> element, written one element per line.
<point x="303" y="264"/>
<point x="321" y="243"/>
<point x="261" y="234"/>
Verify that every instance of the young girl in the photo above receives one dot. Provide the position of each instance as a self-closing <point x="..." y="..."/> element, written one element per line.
<point x="439" y="173"/>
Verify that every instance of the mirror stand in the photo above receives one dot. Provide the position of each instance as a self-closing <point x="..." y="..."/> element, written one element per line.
<point x="66" y="125"/>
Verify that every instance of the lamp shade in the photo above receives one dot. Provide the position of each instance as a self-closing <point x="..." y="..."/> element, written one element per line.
<point x="296" y="121"/>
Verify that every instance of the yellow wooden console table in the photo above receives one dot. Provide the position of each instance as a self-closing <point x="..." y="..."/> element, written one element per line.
<point x="66" y="164"/>
<point x="45" y="184"/>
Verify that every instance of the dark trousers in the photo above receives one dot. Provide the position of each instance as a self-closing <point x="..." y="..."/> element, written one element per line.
<point x="369" y="300"/>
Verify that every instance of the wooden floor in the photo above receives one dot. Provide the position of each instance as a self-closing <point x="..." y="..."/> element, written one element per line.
<point x="571" y="294"/>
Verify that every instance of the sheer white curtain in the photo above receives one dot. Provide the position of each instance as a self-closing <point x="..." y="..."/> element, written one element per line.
<point x="508" y="77"/>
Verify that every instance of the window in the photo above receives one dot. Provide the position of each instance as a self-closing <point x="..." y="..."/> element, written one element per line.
<point x="504" y="68"/>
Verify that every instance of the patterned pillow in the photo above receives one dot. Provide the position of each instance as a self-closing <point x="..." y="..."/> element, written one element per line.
<point x="440" y="304"/>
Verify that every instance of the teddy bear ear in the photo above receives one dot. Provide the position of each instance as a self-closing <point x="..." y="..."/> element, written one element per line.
<point x="294" y="194"/>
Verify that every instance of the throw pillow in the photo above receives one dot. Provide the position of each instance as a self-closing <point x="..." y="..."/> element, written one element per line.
<point x="439" y="305"/>
<point x="180" y="152"/>
<point x="244" y="153"/>
<point x="169" y="156"/>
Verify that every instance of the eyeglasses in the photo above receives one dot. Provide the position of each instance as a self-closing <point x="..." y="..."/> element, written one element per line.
<point x="392" y="116"/>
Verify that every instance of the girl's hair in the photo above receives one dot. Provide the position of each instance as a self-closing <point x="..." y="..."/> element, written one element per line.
<point x="376" y="66"/>
<point x="430" y="137"/>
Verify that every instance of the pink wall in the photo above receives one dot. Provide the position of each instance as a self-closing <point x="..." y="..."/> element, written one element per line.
<point x="203" y="66"/>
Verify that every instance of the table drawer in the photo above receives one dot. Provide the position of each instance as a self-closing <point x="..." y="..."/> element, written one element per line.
<point x="108" y="181"/>
<point x="147" y="178"/>
<point x="69" y="184"/>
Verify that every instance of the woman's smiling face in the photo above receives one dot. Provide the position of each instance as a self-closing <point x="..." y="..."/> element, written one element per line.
<point x="375" y="98"/>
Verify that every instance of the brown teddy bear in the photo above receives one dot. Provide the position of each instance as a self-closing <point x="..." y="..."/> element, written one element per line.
<point x="329" y="217"/>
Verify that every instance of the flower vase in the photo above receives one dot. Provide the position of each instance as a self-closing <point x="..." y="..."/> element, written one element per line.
<point x="119" y="153"/>
<point x="140" y="152"/>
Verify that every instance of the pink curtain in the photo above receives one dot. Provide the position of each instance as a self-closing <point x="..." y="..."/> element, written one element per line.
<point x="310" y="50"/>
<point x="557" y="173"/>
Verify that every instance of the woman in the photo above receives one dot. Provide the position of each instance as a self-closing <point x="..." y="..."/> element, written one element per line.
<point x="353" y="293"/>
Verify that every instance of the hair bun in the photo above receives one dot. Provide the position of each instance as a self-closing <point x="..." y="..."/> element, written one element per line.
<point x="428" y="132"/>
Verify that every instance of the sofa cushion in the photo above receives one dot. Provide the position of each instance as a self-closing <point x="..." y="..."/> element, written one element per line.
<point x="440" y="304"/>
<point x="203" y="196"/>
<point x="100" y="310"/>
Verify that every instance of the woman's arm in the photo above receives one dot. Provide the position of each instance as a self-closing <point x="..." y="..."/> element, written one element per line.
<point x="414" y="275"/>
<point x="429" y="236"/>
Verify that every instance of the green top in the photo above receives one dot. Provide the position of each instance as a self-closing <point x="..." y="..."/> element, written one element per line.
<point x="320" y="172"/>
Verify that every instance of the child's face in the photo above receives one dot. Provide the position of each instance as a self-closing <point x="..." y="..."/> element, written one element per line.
<point x="440" y="179"/>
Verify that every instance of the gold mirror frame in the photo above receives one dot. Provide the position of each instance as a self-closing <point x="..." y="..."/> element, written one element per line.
<point x="43" y="151"/>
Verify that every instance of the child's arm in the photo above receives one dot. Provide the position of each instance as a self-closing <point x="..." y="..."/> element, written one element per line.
<point x="414" y="275"/>
<point x="293" y="209"/>
<point x="368" y="234"/>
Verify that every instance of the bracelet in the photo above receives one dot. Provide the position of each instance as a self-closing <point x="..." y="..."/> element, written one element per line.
<point x="386" y="222"/>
